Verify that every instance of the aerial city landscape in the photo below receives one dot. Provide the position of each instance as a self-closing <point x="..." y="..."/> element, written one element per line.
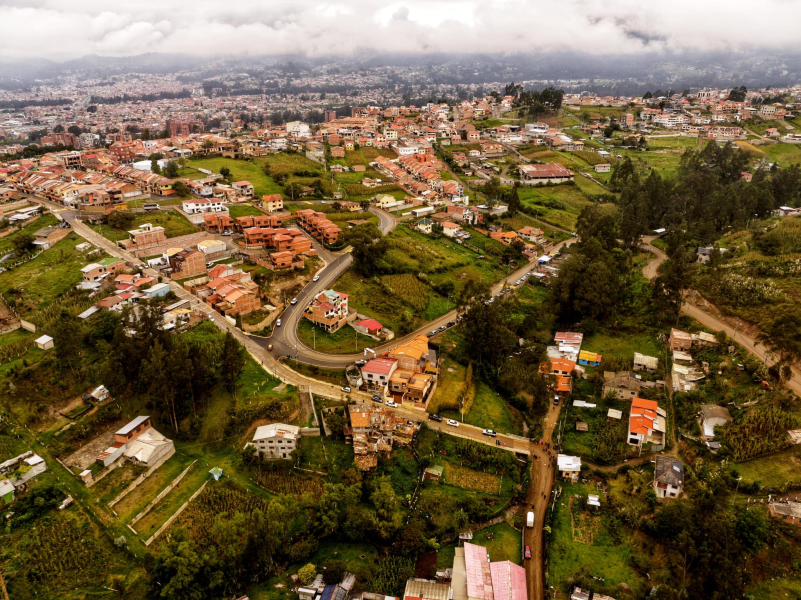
<point x="386" y="302"/>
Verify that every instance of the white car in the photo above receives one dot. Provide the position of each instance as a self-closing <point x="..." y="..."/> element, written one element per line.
<point x="278" y="323"/>
<point x="294" y="301"/>
<point x="391" y="404"/>
<point x="452" y="423"/>
<point x="316" y="278"/>
<point x="346" y="389"/>
<point x="489" y="432"/>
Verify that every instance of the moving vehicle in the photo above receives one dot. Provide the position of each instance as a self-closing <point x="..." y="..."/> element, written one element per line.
<point x="345" y="389"/>
<point x="278" y="323"/>
<point x="435" y="417"/>
<point x="361" y="363"/>
<point x="148" y="206"/>
<point x="316" y="278"/>
<point x="527" y="553"/>
<point x="294" y="301"/>
<point x="489" y="432"/>
<point x="376" y="398"/>
<point x="556" y="401"/>
<point x="530" y="519"/>
<point x="452" y="423"/>
<point x="391" y="404"/>
<point x="270" y="347"/>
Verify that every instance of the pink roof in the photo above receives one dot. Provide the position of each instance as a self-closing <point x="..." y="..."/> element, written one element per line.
<point x="569" y="338"/>
<point x="477" y="571"/>
<point x="371" y="324"/>
<point x="508" y="581"/>
<point x="379" y="366"/>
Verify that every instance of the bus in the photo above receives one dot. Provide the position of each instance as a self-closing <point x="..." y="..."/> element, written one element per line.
<point x="148" y="206"/>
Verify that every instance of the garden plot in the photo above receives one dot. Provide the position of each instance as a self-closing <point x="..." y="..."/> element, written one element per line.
<point x="472" y="480"/>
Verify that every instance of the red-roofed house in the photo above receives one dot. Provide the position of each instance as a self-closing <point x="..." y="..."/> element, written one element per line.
<point x="372" y="328"/>
<point x="647" y="422"/>
<point x="377" y="373"/>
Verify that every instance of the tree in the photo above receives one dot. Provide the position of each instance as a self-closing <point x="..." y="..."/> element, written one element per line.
<point x="387" y="506"/>
<point x="171" y="169"/>
<point x="307" y="573"/>
<point x="23" y="242"/>
<point x="58" y="129"/>
<point x="675" y="275"/>
<point x="336" y="424"/>
<point x="180" y="188"/>
<point x="67" y="339"/>
<point x="75" y="130"/>
<point x="781" y="334"/>
<point x="232" y="362"/>
<point x="334" y="571"/>
<point x="119" y="219"/>
<point x="154" y="166"/>
<point x="369" y="248"/>
<point x="738" y="94"/>
<point x="225" y="172"/>
<point x="513" y="201"/>
<point x="179" y="568"/>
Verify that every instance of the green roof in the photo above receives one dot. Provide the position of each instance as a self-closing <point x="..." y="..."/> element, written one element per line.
<point x="109" y="261"/>
<point x="437" y="470"/>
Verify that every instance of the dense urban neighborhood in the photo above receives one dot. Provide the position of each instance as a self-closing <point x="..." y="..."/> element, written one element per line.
<point x="303" y="332"/>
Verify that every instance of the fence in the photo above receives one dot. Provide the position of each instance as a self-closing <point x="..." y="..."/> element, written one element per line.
<point x="162" y="493"/>
<point x="135" y="484"/>
<point x="175" y="515"/>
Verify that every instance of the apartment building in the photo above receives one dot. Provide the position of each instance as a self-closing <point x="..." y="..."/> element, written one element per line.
<point x="329" y="310"/>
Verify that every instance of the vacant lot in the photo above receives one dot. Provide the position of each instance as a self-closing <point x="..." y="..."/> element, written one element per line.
<point x="241" y="171"/>
<point x="558" y="205"/>
<point x="502" y="541"/>
<point x="773" y="471"/>
<point x="174" y="224"/>
<point x="7" y="242"/>
<point x="345" y="341"/>
<point x="472" y="480"/>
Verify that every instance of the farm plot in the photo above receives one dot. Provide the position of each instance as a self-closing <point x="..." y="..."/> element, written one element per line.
<point x="470" y="479"/>
<point x="282" y="481"/>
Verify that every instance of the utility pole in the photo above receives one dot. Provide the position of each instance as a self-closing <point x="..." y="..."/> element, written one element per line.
<point x="3" y="585"/>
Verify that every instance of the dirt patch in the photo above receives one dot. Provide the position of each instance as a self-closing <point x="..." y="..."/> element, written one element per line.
<point x="585" y="527"/>
<point x="472" y="480"/>
<point x="87" y="454"/>
<point x="280" y="388"/>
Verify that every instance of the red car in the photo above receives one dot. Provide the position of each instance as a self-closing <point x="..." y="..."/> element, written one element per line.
<point x="528" y="552"/>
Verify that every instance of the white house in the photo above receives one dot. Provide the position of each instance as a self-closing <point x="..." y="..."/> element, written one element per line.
<point x="569" y="466"/>
<point x="276" y="440"/>
<point x="202" y="205"/>
<point x="668" y="477"/>
<point x="450" y="229"/>
<point x="44" y="343"/>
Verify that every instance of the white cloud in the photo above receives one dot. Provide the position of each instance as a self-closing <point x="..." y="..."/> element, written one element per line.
<point x="64" y="30"/>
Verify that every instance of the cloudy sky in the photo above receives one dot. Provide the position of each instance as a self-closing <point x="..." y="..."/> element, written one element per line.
<point x="62" y="30"/>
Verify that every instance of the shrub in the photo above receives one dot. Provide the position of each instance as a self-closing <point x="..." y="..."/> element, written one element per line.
<point x="307" y="573"/>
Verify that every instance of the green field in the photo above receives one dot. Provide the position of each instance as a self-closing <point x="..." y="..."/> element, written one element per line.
<point x="586" y="542"/>
<point x="244" y="210"/>
<point x="558" y="205"/>
<point x="504" y="545"/>
<point x="773" y="471"/>
<point x="344" y="341"/>
<point x="783" y="154"/>
<point x="241" y="171"/>
<point x="174" y="224"/>
<point x="41" y="281"/>
<point x="7" y="242"/>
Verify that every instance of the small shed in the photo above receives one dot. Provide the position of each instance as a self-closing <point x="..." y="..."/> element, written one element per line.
<point x="216" y="473"/>
<point x="582" y="426"/>
<point x="614" y="414"/>
<point x="434" y="472"/>
<point x="44" y="343"/>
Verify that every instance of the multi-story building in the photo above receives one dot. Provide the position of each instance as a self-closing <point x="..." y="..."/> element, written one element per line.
<point x="202" y="205"/>
<point x="272" y="203"/>
<point x="329" y="310"/>
<point x="146" y="236"/>
<point x="123" y="152"/>
<point x="187" y="263"/>
<point x="647" y="422"/>
<point x="668" y="477"/>
<point x="276" y="441"/>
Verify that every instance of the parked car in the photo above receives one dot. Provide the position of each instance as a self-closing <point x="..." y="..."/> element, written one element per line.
<point x="278" y="323"/>
<point x="528" y="552"/>
<point x="452" y="423"/>
<point x="435" y="417"/>
<point x="451" y="323"/>
<point x="376" y="398"/>
<point x="345" y="389"/>
<point x="294" y="301"/>
<point x="433" y="333"/>
<point x="391" y="403"/>
<point x="489" y="432"/>
<point x="361" y="362"/>
<point x="556" y="401"/>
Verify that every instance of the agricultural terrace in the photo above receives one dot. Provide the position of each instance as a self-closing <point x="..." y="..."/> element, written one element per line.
<point x="558" y="205"/>
<point x="173" y="222"/>
<point x="587" y="542"/>
<point x="420" y="264"/>
<point x="32" y="287"/>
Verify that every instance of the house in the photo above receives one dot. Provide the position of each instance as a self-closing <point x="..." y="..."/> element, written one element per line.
<point x="603" y="168"/>
<point x="647" y="423"/>
<point x="276" y="441"/>
<point x="532" y="174"/>
<point x="668" y="477"/>
<point x="6" y="492"/>
<point x="680" y="340"/>
<point x="433" y="473"/>
<point x="416" y="373"/>
<point x="140" y="443"/>
<point x="531" y="234"/>
<point x="329" y="310"/>
<point x="377" y="373"/>
<point x="560" y="370"/>
<point x="146" y="236"/>
<point x="157" y="291"/>
<point x="46" y="237"/>
<point x="187" y="263"/>
<point x="569" y="342"/>
<point x="591" y="359"/>
<point x="374" y="430"/>
<point x="475" y="577"/>
<point x="579" y="594"/>
<point x="202" y="205"/>
<point x="424" y="225"/>
<point x="450" y="229"/>
<point x="711" y="416"/>
<point x="643" y="362"/>
<point x="244" y="188"/>
<point x="372" y="328"/>
<point x="22" y="468"/>
<point x="569" y="467"/>
<point x="44" y="343"/>
<point x="272" y="203"/>
<point x="787" y="510"/>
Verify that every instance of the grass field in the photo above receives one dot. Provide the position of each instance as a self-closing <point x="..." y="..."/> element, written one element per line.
<point x="243" y="210"/>
<point x="7" y="242"/>
<point x="773" y="471"/>
<point x="504" y="545"/>
<point x="558" y="205"/>
<point x="343" y="341"/>
<point x="41" y="281"/>
<point x="174" y="224"/>
<point x="783" y="154"/>
<point x="585" y="541"/>
<point x="241" y="171"/>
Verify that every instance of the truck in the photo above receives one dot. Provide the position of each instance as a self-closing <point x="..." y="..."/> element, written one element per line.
<point x="530" y="519"/>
